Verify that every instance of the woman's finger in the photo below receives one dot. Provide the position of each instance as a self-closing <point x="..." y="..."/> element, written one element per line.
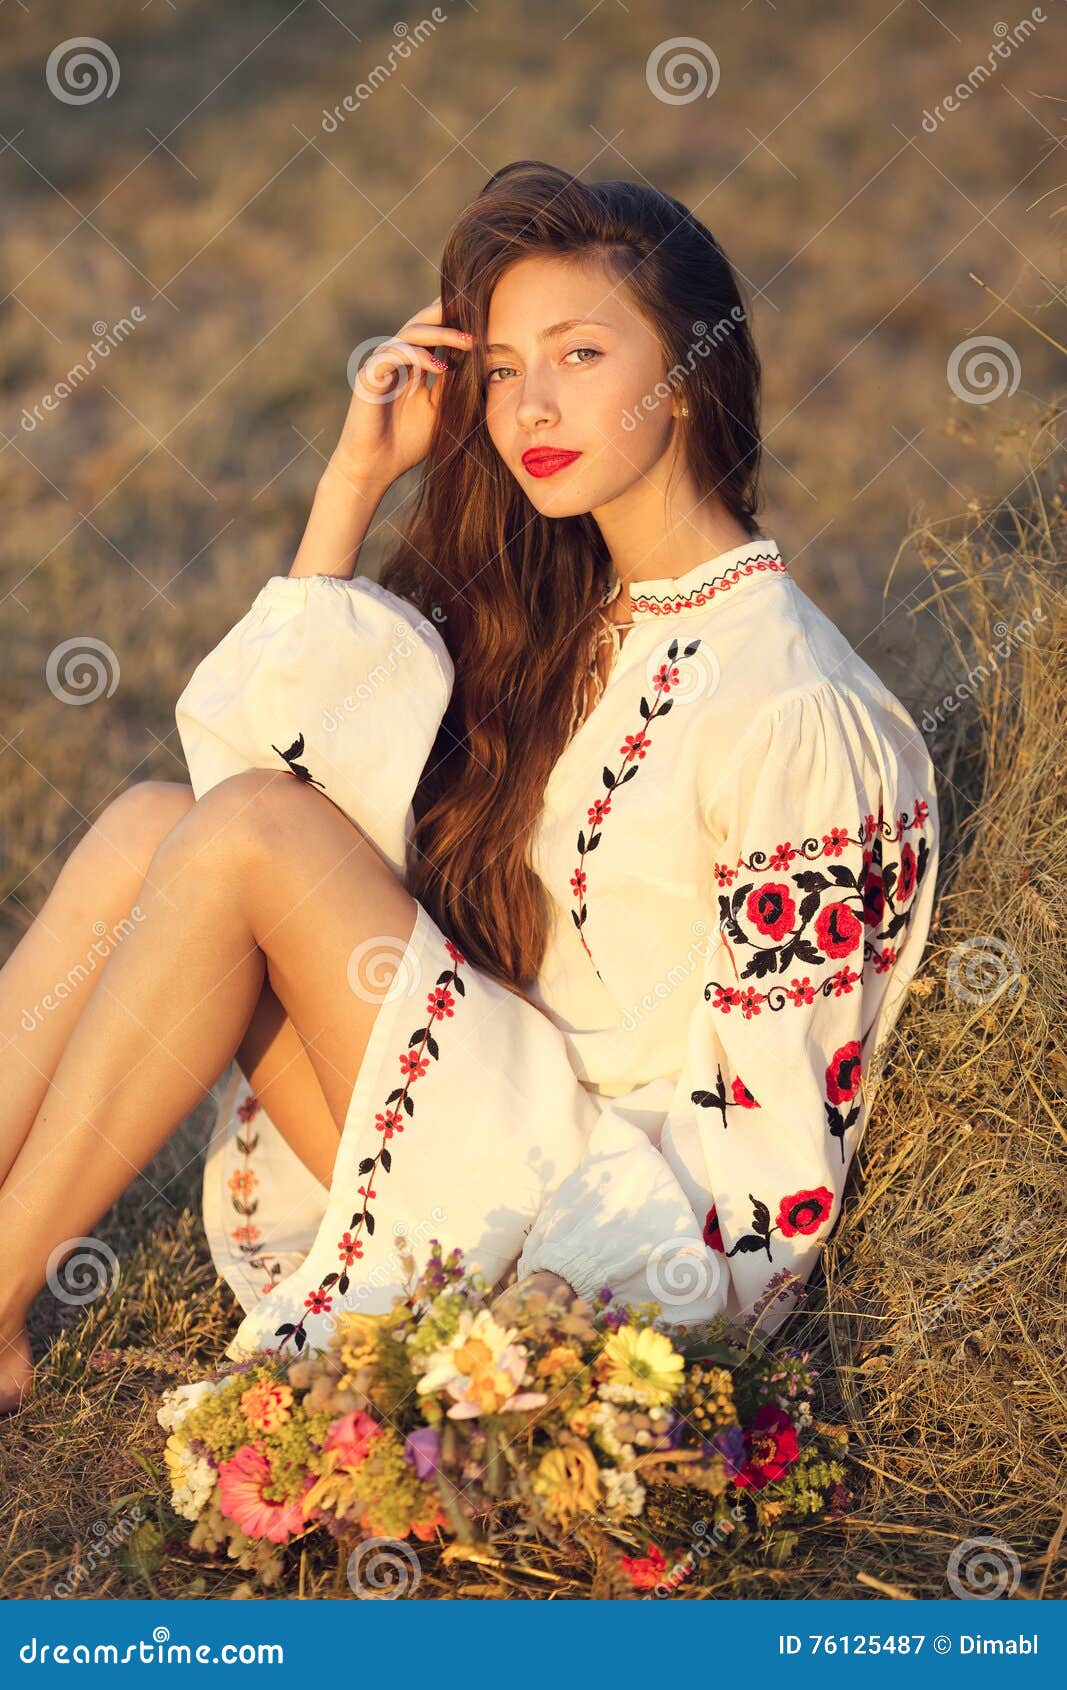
<point x="388" y="357"/>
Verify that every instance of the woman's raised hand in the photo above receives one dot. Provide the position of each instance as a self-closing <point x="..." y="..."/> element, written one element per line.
<point x="387" y="428"/>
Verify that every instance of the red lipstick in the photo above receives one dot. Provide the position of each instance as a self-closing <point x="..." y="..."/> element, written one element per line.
<point x="546" y="460"/>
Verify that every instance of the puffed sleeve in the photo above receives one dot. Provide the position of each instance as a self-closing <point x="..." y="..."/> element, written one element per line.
<point x="341" y="681"/>
<point x="824" y="876"/>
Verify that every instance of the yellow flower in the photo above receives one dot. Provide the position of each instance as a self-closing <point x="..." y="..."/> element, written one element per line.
<point x="644" y="1362"/>
<point x="569" y="1481"/>
<point x="266" y="1405"/>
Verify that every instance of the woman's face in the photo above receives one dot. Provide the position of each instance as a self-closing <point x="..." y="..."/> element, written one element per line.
<point x="588" y="388"/>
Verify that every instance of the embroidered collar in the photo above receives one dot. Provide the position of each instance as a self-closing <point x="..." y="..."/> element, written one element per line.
<point x="675" y="595"/>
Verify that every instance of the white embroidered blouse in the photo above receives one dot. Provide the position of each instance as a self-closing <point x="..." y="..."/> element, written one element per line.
<point x="740" y="840"/>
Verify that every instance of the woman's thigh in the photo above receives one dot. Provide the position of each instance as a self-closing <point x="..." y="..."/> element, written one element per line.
<point x="120" y="845"/>
<point x="329" y="914"/>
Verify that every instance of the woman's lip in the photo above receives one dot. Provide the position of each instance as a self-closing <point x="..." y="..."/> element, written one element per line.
<point x="544" y="460"/>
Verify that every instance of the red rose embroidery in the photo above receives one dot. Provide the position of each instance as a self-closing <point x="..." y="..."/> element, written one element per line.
<point x="804" y="1212"/>
<point x="771" y="1448"/>
<point x="771" y="909"/>
<point x="712" y="1236"/>
<point x="843" y="1073"/>
<point x="837" y="930"/>
<point x="906" y="882"/>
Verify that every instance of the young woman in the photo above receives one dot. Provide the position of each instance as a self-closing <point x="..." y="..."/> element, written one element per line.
<point x="555" y="895"/>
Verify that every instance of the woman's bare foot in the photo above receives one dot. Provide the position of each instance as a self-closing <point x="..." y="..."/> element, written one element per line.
<point x="16" y="1371"/>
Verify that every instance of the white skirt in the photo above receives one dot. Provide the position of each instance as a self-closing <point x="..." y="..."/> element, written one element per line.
<point x="466" y="1113"/>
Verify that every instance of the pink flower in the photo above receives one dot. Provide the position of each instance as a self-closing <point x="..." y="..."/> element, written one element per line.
<point x="242" y="1481"/>
<point x="352" y="1436"/>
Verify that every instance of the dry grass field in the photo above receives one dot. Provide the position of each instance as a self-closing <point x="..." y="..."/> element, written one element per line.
<point x="147" y="502"/>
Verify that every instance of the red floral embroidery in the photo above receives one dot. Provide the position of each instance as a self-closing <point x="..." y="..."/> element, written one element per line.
<point x="658" y="605"/>
<point x="242" y="1185"/>
<point x="633" y="749"/>
<point x="818" y="915"/>
<point x="804" y="1212"/>
<point x="740" y="1097"/>
<point x="712" y="1234"/>
<point x="801" y="1212"/>
<point x="422" y="1048"/>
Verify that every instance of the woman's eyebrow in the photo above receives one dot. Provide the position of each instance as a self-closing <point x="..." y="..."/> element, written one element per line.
<point x="550" y="333"/>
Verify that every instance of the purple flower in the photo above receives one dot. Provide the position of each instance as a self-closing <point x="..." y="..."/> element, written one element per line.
<point x="616" y="1318"/>
<point x="730" y="1444"/>
<point x="422" y="1448"/>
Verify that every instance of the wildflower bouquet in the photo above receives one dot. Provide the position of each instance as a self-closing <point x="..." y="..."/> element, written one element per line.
<point x="437" y="1420"/>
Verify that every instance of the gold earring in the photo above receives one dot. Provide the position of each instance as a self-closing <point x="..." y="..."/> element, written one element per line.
<point x="683" y="410"/>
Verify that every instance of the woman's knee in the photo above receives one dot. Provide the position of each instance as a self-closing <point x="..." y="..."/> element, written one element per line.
<point x="121" y="842"/>
<point x="247" y="811"/>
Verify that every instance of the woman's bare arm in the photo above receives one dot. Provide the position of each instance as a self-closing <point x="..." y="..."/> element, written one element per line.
<point x="340" y="516"/>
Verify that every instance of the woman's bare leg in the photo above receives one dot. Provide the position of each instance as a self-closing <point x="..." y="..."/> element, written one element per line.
<point x="56" y="965"/>
<point x="263" y="873"/>
<point x="47" y="980"/>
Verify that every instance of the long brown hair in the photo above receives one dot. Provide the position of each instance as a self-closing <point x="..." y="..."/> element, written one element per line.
<point x="512" y="591"/>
